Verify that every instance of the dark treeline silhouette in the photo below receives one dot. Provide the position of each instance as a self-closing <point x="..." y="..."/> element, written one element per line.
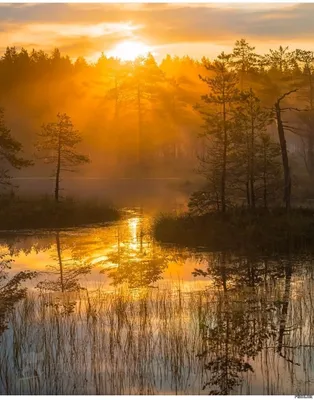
<point x="139" y="118"/>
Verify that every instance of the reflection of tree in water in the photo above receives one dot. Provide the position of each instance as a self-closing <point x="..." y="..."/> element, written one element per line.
<point x="233" y="272"/>
<point x="283" y="305"/>
<point x="11" y="290"/>
<point x="237" y="335"/>
<point x="26" y="243"/>
<point x="244" y="318"/>
<point x="68" y="272"/>
<point x="138" y="262"/>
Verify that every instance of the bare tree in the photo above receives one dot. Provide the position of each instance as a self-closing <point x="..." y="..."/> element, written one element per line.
<point x="283" y="146"/>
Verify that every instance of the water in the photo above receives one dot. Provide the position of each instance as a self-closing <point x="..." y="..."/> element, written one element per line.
<point x="113" y="312"/>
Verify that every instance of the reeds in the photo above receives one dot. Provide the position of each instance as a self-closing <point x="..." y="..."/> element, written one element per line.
<point x="155" y="341"/>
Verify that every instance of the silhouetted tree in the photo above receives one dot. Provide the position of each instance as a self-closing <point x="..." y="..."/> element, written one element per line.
<point x="9" y="152"/>
<point x="218" y="121"/>
<point x="243" y="59"/>
<point x="256" y="159"/>
<point x="56" y="144"/>
<point x="306" y="59"/>
<point x="284" y="151"/>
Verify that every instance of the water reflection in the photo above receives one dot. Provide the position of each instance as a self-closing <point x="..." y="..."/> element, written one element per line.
<point x="11" y="289"/>
<point x="67" y="270"/>
<point x="249" y="317"/>
<point x="138" y="262"/>
<point x="242" y="325"/>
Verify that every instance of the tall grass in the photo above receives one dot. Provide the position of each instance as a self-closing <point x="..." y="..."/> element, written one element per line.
<point x="156" y="341"/>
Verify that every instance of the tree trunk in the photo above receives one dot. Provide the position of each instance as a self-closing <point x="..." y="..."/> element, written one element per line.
<point x="310" y="153"/>
<point x="224" y="163"/>
<point x="139" y="107"/>
<point x="310" y="144"/>
<point x="265" y="180"/>
<point x="252" y="166"/>
<point x="248" y="171"/>
<point x="57" y="186"/>
<point x="248" y="198"/>
<point x="285" y="159"/>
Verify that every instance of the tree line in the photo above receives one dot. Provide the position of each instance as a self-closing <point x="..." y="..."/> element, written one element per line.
<point x="143" y="118"/>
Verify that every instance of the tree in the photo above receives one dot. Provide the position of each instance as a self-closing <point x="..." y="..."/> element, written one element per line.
<point x="218" y="118"/>
<point x="146" y="75"/>
<point x="9" y="152"/>
<point x="281" y="60"/>
<point x="284" y="152"/>
<point x="243" y="59"/>
<point x="58" y="141"/>
<point x="253" y="165"/>
<point x="306" y="58"/>
<point x="270" y="174"/>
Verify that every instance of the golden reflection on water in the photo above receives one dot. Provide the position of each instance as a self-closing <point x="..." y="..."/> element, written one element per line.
<point x="143" y="308"/>
<point x="126" y="247"/>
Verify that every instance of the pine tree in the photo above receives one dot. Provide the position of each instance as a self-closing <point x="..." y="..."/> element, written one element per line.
<point x="244" y="59"/>
<point x="251" y="122"/>
<point x="306" y="59"/>
<point x="9" y="153"/>
<point x="146" y="75"/>
<point x="217" y="112"/>
<point x="56" y="144"/>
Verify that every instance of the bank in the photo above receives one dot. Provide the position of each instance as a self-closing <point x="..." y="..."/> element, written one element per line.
<point x="45" y="213"/>
<point x="239" y="230"/>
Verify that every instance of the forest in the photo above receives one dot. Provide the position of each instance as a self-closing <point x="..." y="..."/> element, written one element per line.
<point x="243" y="121"/>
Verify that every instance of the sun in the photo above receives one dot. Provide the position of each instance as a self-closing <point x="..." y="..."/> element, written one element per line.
<point x="129" y="50"/>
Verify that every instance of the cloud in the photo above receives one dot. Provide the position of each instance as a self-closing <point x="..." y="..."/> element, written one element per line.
<point x="99" y="26"/>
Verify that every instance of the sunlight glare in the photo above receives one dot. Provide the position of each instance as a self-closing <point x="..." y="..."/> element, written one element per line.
<point x="129" y="50"/>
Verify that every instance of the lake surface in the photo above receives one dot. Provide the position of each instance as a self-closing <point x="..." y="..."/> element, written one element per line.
<point x="113" y="312"/>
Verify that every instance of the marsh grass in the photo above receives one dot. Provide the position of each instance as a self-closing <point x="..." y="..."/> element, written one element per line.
<point x="148" y="341"/>
<point x="37" y="213"/>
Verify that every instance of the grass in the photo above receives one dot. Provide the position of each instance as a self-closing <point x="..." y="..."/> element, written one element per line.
<point x="239" y="230"/>
<point x="37" y="213"/>
<point x="148" y="342"/>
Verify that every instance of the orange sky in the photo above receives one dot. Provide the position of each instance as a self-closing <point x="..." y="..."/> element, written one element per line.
<point x="194" y="29"/>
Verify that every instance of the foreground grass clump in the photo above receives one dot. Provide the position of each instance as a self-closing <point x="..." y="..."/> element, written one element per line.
<point x="264" y="230"/>
<point x="36" y="213"/>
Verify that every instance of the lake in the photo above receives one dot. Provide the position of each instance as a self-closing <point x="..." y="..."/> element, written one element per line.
<point x="111" y="311"/>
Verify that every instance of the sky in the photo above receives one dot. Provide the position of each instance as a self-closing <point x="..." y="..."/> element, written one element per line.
<point x="86" y="29"/>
